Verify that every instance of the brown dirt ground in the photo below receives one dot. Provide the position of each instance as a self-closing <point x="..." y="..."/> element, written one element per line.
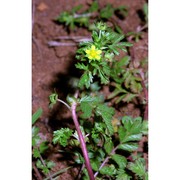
<point x="51" y="67"/>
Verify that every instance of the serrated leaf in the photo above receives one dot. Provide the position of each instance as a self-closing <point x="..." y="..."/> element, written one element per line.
<point x="85" y="79"/>
<point x="122" y="133"/>
<point x="128" y="146"/>
<point x="36" y="115"/>
<point x="108" y="170"/>
<point x="133" y="137"/>
<point x="108" y="145"/>
<point x="120" y="160"/>
<point x="106" y="113"/>
<point x="127" y="122"/>
<point x="138" y="167"/>
<point x="61" y="136"/>
<point x="86" y="109"/>
<point x="81" y="66"/>
<point x="122" y="175"/>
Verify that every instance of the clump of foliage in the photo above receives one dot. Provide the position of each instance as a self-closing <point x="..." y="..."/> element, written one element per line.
<point x="72" y="18"/>
<point x="105" y="148"/>
<point x="40" y="146"/>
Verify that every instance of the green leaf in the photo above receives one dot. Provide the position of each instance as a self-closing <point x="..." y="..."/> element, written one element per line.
<point x="36" y="115"/>
<point x="86" y="79"/>
<point x="138" y="167"/>
<point x="107" y="12"/>
<point x="124" y="61"/>
<point x="61" y="136"/>
<point x="36" y="153"/>
<point x="128" y="97"/>
<point x="81" y="66"/>
<point x="145" y="10"/>
<point x="43" y="147"/>
<point x="128" y="44"/>
<point x="45" y="170"/>
<point x="122" y="133"/>
<point x="129" y="147"/>
<point x="95" y="164"/>
<point x="120" y="160"/>
<point x="131" y="129"/>
<point x="35" y="130"/>
<point x="106" y="113"/>
<point x="35" y="140"/>
<point x="133" y="137"/>
<point x="76" y="8"/>
<point x="127" y="122"/>
<point x="108" y="145"/>
<point x="79" y="159"/>
<point x="108" y="170"/>
<point x="86" y="109"/>
<point x="39" y="164"/>
<point x="120" y="98"/>
<point x="94" y="6"/>
<point x="35" y="136"/>
<point x="135" y="86"/>
<point x="89" y="99"/>
<point x="122" y="175"/>
<point x="50" y="164"/>
<point x="53" y="99"/>
<point x="133" y="126"/>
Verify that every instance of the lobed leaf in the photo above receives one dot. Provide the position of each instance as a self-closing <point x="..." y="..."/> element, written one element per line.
<point x="120" y="160"/>
<point x="129" y="146"/>
<point x="108" y="170"/>
<point x="61" y="136"/>
<point x="106" y="113"/>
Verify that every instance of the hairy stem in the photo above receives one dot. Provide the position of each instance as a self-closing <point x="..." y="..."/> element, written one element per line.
<point x="82" y="142"/>
<point x="106" y="160"/>
<point x="61" y="101"/>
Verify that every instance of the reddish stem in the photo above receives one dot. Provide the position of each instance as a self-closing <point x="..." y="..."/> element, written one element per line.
<point x="82" y="142"/>
<point x="37" y="172"/>
<point x="106" y="160"/>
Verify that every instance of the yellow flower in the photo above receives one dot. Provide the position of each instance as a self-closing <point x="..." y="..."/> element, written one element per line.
<point x="93" y="53"/>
